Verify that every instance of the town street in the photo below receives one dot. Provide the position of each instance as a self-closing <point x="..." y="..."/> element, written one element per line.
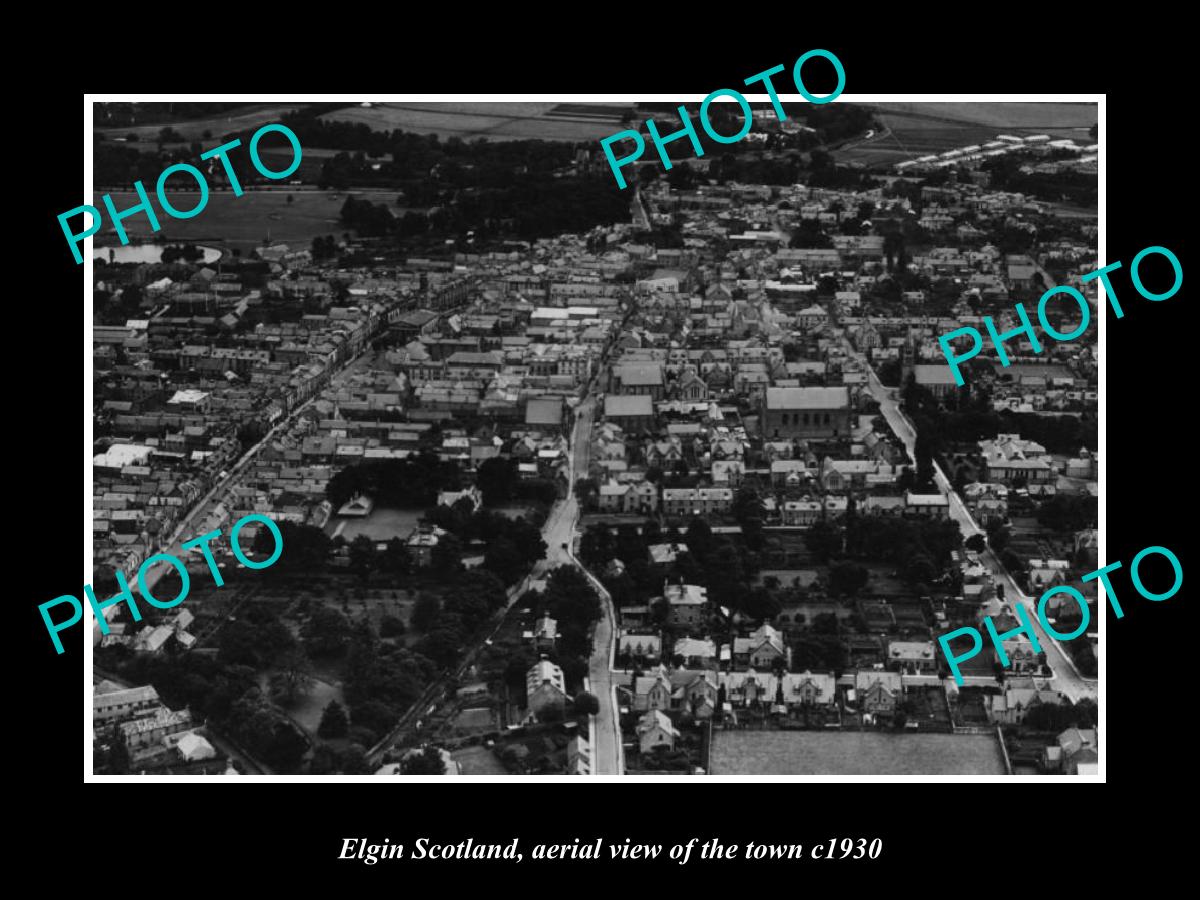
<point x="1067" y="677"/>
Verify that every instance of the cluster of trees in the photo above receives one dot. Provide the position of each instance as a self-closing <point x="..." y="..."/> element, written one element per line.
<point x="531" y="206"/>
<point x="260" y="727"/>
<point x="500" y="482"/>
<point x="920" y="547"/>
<point x="1056" y="718"/>
<point x="719" y="562"/>
<point x="305" y="548"/>
<point x="414" y="481"/>
<point x="181" y="253"/>
<point x="376" y="219"/>
<point x="1067" y="512"/>
<point x="221" y="692"/>
<point x="1006" y="174"/>
<point x="513" y="545"/>
<point x="973" y="420"/>
<point x="324" y="247"/>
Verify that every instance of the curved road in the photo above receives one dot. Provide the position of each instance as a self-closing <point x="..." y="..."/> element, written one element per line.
<point x="1067" y="678"/>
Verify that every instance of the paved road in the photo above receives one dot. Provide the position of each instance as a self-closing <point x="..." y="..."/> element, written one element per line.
<point x="606" y="752"/>
<point x="1067" y="677"/>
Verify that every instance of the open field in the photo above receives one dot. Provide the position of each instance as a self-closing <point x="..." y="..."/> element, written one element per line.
<point x="490" y="121"/>
<point x="229" y="221"/>
<point x="252" y="116"/>
<point x="853" y="753"/>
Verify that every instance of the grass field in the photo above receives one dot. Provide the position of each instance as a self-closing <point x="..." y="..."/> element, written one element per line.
<point x="853" y="753"/>
<point x="251" y="116"/>
<point x="490" y="121"/>
<point x="243" y="221"/>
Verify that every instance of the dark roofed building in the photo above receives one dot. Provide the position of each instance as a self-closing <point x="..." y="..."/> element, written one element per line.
<point x="937" y="379"/>
<point x="545" y="414"/>
<point x="805" y="412"/>
<point x="631" y="413"/>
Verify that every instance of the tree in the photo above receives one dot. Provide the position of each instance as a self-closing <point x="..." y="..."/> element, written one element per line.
<point x="497" y="479"/>
<point x="824" y="540"/>
<point x="334" y="722"/>
<point x="428" y="762"/>
<point x="327" y="632"/>
<point x="446" y="555"/>
<point x="976" y="543"/>
<point x="362" y="556"/>
<point x="354" y="761"/>
<point x="391" y="626"/>
<point x="425" y="611"/>
<point x="847" y="578"/>
<point x="586" y="704"/>
<point x="286" y="747"/>
<point x="293" y="680"/>
<point x="118" y="753"/>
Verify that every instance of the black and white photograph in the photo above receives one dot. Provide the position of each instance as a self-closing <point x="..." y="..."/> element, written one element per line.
<point x="452" y="438"/>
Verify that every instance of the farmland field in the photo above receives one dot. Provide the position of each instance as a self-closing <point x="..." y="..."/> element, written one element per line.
<point x="490" y="121"/>
<point x="252" y="116"/>
<point x="229" y="221"/>
<point x="915" y="129"/>
<point x="853" y="753"/>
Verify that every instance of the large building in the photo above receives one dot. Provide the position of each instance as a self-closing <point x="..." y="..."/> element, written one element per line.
<point x="806" y="412"/>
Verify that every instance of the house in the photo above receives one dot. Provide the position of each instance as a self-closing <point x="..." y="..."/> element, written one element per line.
<point x="544" y="688"/>
<point x="579" y="756"/>
<point x="638" y="647"/>
<point x="1019" y="696"/>
<point x="192" y="747"/>
<point x="695" y="653"/>
<point x="422" y="541"/>
<point x="807" y="689"/>
<point x="1071" y="751"/>
<point x="878" y="692"/>
<point x="800" y="513"/>
<point x="1022" y="659"/>
<point x="116" y="706"/>
<point x="912" y="657"/>
<point x="805" y="412"/>
<point x="144" y="737"/>
<point x="654" y="730"/>
<point x="688" y="603"/>
<point x="451" y="498"/>
<point x="932" y="506"/>
<point x="359" y="506"/>
<point x="761" y="650"/>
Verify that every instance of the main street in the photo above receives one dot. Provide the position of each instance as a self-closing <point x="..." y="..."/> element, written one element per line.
<point x="1067" y="677"/>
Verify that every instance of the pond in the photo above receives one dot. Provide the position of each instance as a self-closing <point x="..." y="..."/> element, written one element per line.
<point x="144" y="253"/>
